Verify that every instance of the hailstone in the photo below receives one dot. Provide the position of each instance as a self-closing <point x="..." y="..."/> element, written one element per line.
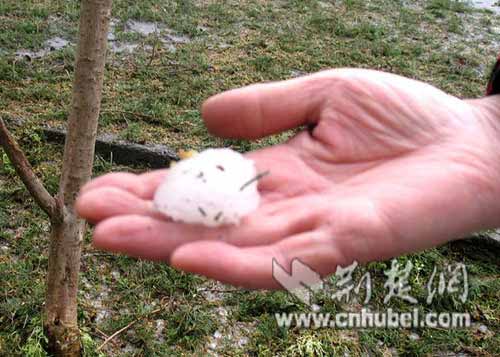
<point x="213" y="188"/>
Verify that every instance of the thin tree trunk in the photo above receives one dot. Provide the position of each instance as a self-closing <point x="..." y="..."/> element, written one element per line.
<point x="65" y="247"/>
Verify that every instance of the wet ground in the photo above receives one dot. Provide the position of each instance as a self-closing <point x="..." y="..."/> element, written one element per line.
<point x="491" y="5"/>
<point x="167" y="38"/>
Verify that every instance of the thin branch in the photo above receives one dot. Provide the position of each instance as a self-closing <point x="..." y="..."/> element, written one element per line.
<point x="102" y="334"/>
<point x="135" y="114"/>
<point x="23" y="168"/>
<point x="115" y="334"/>
<point x="222" y="291"/>
<point x="126" y="328"/>
<point x="153" y="53"/>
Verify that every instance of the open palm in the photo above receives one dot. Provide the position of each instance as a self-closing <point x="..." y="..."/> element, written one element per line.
<point x="387" y="166"/>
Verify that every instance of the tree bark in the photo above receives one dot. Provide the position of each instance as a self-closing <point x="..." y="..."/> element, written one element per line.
<point x="60" y="321"/>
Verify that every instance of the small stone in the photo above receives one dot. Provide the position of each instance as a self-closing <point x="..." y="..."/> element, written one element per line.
<point x="315" y="308"/>
<point x="243" y="341"/>
<point x="212" y="345"/>
<point x="483" y="328"/>
<point x="102" y="315"/>
<point x="129" y="348"/>
<point x="414" y="337"/>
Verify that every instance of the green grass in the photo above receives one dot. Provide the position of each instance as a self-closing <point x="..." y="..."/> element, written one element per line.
<point x="154" y="97"/>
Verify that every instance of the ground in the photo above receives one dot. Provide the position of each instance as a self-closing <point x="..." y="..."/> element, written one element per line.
<point x="168" y="56"/>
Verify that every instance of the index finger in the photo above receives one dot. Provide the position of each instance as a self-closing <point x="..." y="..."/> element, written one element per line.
<point x="264" y="109"/>
<point x="143" y="185"/>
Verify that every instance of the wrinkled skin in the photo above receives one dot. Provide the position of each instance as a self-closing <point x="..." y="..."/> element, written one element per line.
<point x="389" y="166"/>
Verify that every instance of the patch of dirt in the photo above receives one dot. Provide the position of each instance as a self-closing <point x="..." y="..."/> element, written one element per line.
<point x="52" y="44"/>
<point x="229" y="334"/>
<point x="168" y="37"/>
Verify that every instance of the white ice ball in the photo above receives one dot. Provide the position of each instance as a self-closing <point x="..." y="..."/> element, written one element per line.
<point x="213" y="188"/>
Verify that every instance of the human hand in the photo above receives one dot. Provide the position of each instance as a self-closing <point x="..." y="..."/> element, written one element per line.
<point x="391" y="166"/>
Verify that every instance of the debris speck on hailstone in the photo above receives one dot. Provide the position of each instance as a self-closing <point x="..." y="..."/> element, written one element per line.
<point x="213" y="188"/>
